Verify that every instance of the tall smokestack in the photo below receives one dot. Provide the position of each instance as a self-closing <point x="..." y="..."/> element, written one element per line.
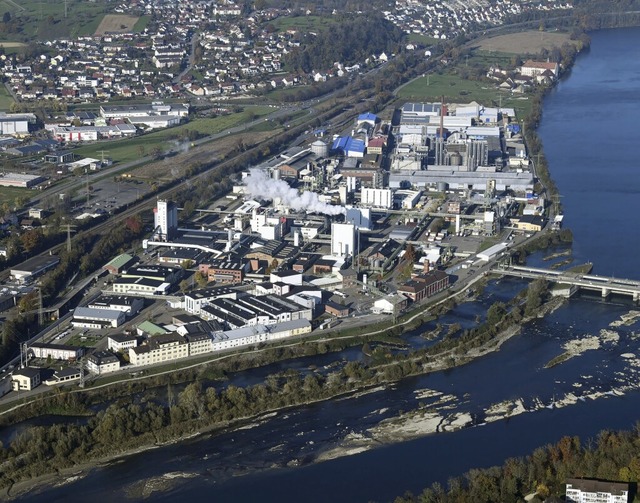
<point x="229" y="244"/>
<point x="442" y="118"/>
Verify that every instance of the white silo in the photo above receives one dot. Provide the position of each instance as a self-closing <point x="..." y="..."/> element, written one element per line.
<point x="320" y="148"/>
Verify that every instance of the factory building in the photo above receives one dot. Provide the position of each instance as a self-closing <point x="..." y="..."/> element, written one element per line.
<point x="343" y="239"/>
<point x="165" y="217"/>
<point x="596" y="491"/>
<point x="87" y="317"/>
<point x="379" y="198"/>
<point x="16" y="124"/>
<point x="156" y="108"/>
<point x="130" y="306"/>
<point x="34" y="267"/>
<point x="224" y="271"/>
<point x="20" y="180"/>
<point x="349" y="147"/>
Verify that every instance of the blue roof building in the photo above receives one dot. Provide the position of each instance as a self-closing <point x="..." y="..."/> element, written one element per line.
<point x="368" y="117"/>
<point x="349" y="146"/>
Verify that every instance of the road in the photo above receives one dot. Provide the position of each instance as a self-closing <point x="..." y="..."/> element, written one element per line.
<point x="190" y="58"/>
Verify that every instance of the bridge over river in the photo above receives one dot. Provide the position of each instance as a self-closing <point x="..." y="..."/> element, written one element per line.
<point x="573" y="280"/>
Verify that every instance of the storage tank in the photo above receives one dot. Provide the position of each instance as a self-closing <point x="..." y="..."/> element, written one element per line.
<point x="442" y="186"/>
<point x="455" y="159"/>
<point x="320" y="148"/>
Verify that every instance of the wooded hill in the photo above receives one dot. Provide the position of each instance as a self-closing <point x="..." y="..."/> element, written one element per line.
<point x="352" y="40"/>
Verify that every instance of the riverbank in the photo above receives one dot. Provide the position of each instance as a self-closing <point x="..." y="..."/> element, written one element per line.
<point x="440" y="412"/>
<point x="416" y="423"/>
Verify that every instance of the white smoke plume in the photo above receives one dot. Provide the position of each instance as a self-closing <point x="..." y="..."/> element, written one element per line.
<point x="260" y="186"/>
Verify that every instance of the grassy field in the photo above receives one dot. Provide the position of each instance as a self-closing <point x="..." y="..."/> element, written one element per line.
<point x="5" y="99"/>
<point x="304" y="24"/>
<point x="116" y="23"/>
<point x="455" y="88"/>
<point x="45" y="20"/>
<point x="142" y="23"/>
<point x="131" y="148"/>
<point x="526" y="42"/>
<point x="9" y="194"/>
<point x="422" y="39"/>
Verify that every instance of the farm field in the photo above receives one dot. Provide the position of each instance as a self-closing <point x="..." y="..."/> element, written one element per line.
<point x="116" y="23"/>
<point x="526" y="42"/>
<point x="133" y="148"/>
<point x="40" y="20"/>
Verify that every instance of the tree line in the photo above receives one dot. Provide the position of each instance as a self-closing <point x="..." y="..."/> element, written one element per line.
<point x="123" y="426"/>
<point x="613" y="456"/>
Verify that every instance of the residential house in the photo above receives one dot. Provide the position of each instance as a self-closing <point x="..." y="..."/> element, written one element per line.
<point x="596" y="491"/>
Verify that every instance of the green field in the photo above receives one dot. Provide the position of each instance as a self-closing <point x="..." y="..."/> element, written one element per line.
<point x="141" y="24"/>
<point x="485" y="59"/>
<point x="422" y="39"/>
<point x="304" y="24"/>
<point x="45" y="19"/>
<point x="5" y="99"/>
<point x="130" y="149"/>
<point x="10" y="194"/>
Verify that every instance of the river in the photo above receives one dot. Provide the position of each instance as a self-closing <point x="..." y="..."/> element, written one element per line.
<point x="589" y="135"/>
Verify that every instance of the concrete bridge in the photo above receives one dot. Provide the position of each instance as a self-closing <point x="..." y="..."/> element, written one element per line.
<point x="573" y="281"/>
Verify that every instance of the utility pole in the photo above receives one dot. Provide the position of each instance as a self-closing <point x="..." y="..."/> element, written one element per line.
<point x="69" y="229"/>
<point x="87" y="173"/>
<point x="102" y="152"/>
<point x="40" y="310"/>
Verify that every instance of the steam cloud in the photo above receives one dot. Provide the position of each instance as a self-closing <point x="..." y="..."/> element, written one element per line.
<point x="260" y="186"/>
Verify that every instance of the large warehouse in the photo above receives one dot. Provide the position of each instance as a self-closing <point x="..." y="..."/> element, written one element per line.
<point x="15" y="124"/>
<point x="34" y="267"/>
<point x="20" y="180"/>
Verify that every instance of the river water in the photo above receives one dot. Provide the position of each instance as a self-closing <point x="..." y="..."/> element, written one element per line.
<point x="589" y="136"/>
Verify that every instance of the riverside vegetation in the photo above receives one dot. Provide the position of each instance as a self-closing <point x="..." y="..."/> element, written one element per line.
<point x="542" y="474"/>
<point x="121" y="426"/>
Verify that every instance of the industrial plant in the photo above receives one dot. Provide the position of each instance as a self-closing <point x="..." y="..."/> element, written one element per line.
<point x="343" y="228"/>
